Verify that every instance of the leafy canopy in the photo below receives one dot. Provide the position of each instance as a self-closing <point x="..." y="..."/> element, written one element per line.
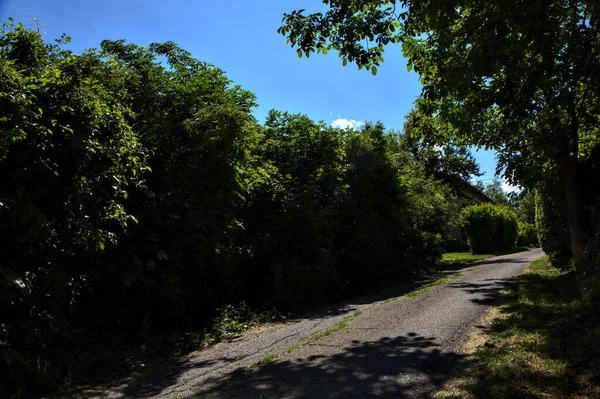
<point x="521" y="78"/>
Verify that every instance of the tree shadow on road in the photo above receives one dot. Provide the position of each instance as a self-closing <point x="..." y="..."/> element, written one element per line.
<point x="487" y="292"/>
<point x="380" y="360"/>
<point x="400" y="367"/>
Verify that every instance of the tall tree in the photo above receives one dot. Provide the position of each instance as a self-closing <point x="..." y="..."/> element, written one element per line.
<point x="520" y="77"/>
<point x="498" y="195"/>
<point x="448" y="161"/>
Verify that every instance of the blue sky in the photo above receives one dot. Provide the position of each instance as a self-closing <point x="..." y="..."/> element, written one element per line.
<point x="240" y="37"/>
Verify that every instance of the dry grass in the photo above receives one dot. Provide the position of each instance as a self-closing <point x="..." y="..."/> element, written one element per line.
<point x="543" y="342"/>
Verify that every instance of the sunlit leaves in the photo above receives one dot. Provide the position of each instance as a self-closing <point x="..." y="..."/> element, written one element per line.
<point x="505" y="82"/>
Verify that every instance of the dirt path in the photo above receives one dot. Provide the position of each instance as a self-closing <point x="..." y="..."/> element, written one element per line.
<point x="372" y="347"/>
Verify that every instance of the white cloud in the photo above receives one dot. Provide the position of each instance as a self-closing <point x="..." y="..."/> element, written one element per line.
<point x="342" y="123"/>
<point x="509" y="188"/>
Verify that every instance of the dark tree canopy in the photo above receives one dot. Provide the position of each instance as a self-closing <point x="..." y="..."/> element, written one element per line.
<point x="522" y="78"/>
<point x="448" y="161"/>
<point x="143" y="206"/>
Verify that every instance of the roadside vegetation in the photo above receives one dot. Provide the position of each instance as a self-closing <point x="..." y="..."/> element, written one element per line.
<point x="464" y="258"/>
<point x="144" y="208"/>
<point x="545" y="342"/>
<point x="494" y="79"/>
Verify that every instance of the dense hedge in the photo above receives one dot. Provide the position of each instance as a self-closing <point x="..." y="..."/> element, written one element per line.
<point x="490" y="228"/>
<point x="139" y="196"/>
<point x="527" y="234"/>
<point x="551" y="220"/>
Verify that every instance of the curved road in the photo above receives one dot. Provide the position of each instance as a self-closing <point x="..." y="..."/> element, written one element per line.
<point x="386" y="348"/>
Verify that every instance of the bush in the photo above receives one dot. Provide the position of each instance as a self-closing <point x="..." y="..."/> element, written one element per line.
<point x="551" y="219"/>
<point x="490" y="228"/>
<point x="591" y="282"/>
<point x="527" y="235"/>
<point x="140" y="198"/>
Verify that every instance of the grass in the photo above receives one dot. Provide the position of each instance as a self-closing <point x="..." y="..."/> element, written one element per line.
<point x="441" y="281"/>
<point x="464" y="258"/>
<point x="424" y="289"/>
<point x="545" y="342"/>
<point x="269" y="357"/>
<point x="454" y="258"/>
<point x="324" y="333"/>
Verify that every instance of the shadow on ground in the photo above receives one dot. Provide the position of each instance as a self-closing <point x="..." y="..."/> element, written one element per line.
<point x="546" y="345"/>
<point x="365" y="370"/>
<point x="401" y="367"/>
<point x="488" y="293"/>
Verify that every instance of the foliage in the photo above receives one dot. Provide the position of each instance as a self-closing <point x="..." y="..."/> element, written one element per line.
<point x="354" y="200"/>
<point x="490" y="228"/>
<point x="525" y="206"/>
<point x="526" y="89"/>
<point x="448" y="161"/>
<point x="527" y="235"/>
<point x="68" y="159"/>
<point x="497" y="194"/>
<point x="593" y="249"/>
<point x="542" y="343"/>
<point x="591" y="283"/>
<point x="551" y="218"/>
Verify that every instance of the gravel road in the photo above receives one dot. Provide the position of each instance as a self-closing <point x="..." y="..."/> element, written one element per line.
<point x="383" y="348"/>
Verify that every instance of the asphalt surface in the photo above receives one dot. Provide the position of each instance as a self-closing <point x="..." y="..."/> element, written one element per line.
<point x="389" y="348"/>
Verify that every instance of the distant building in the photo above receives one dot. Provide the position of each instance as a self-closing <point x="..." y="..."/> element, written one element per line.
<point x="464" y="189"/>
<point x="469" y="195"/>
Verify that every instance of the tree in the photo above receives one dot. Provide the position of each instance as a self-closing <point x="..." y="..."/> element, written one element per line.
<point x="525" y="206"/>
<point x="521" y="78"/>
<point x="495" y="191"/>
<point x="449" y="162"/>
<point x="68" y="161"/>
<point x="140" y="199"/>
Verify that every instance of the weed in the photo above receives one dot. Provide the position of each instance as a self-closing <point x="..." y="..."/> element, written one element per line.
<point x="265" y="360"/>
<point x="441" y="281"/>
<point x="317" y="335"/>
<point x="463" y="258"/>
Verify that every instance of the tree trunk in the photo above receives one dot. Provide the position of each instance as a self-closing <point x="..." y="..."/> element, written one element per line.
<point x="576" y="216"/>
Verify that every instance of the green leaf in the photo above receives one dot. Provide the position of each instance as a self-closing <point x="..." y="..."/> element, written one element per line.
<point x="162" y="255"/>
<point x="10" y="277"/>
<point x="299" y="51"/>
<point x="345" y="61"/>
<point x="409" y="67"/>
<point x="374" y="70"/>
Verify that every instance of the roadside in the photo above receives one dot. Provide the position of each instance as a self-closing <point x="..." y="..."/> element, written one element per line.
<point x="542" y="342"/>
<point x="463" y="258"/>
<point x="240" y="323"/>
<point x="419" y="328"/>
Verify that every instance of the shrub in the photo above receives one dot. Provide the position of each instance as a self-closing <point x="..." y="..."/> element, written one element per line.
<point x="490" y="228"/>
<point x="140" y="198"/>
<point x="551" y="219"/>
<point x="527" y="234"/>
